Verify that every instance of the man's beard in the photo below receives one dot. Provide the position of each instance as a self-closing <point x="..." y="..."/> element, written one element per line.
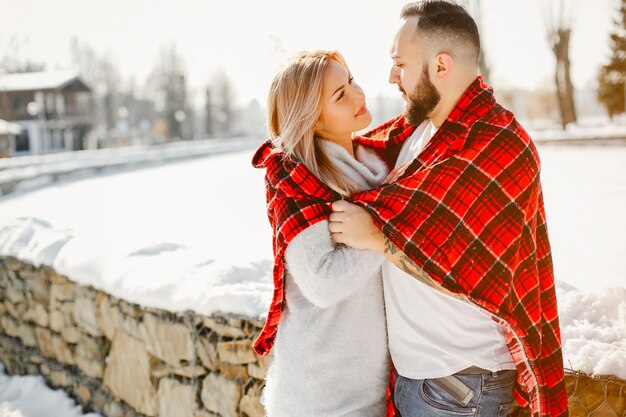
<point x="422" y="101"/>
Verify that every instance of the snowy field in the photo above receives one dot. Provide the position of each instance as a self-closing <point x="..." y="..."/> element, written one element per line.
<point x="29" y="396"/>
<point x="194" y="235"/>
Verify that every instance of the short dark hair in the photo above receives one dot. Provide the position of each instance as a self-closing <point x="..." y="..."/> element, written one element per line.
<point x="445" y="21"/>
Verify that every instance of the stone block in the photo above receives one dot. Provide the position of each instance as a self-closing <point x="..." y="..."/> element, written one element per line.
<point x="236" y="352"/>
<point x="82" y="393"/>
<point x="14" y="264"/>
<point x="185" y="371"/>
<point x="90" y="367"/>
<point x="233" y="372"/>
<point x="39" y="288"/>
<point x="60" y="293"/>
<point x="61" y="379"/>
<point x="113" y="409"/>
<point x="204" y="413"/>
<point x="36" y="359"/>
<point x="222" y="327"/>
<point x="52" y="276"/>
<point x="255" y="371"/>
<point x="85" y="312"/>
<point x="27" y="335"/>
<point x="16" y="310"/>
<point x="9" y="325"/>
<point x="15" y="295"/>
<point x="170" y="342"/>
<point x="250" y="403"/>
<point x="56" y="321"/>
<point x="44" y="342"/>
<point x="109" y="317"/>
<point x="52" y="346"/>
<point x="67" y="309"/>
<point x="89" y="347"/>
<point x="207" y="354"/>
<point x="37" y="313"/>
<point x="220" y="395"/>
<point x="71" y="335"/>
<point x="128" y="374"/>
<point x="176" y="399"/>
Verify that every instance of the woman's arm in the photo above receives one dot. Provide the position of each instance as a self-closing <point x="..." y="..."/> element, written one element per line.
<point x="326" y="272"/>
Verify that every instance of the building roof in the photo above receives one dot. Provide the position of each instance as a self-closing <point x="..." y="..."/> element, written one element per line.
<point x="45" y="80"/>
<point x="9" y="128"/>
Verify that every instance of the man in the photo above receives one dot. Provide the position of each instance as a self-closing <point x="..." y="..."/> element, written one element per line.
<point x="469" y="290"/>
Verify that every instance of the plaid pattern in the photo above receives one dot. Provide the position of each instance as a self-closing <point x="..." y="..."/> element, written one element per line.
<point x="469" y="211"/>
<point x="296" y="199"/>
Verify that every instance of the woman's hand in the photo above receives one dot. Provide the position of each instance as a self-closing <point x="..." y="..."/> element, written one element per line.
<point x="352" y="225"/>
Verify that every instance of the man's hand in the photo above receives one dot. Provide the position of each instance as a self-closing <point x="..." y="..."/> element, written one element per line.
<point x="352" y="225"/>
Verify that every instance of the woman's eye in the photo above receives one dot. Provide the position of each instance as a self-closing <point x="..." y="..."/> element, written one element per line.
<point x="340" y="96"/>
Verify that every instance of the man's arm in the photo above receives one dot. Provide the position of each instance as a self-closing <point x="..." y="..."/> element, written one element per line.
<point x="352" y="225"/>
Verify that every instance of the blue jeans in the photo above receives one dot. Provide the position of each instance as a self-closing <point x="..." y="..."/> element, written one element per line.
<point x="491" y="396"/>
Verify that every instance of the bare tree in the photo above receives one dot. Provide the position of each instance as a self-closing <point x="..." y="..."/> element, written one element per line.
<point x="222" y="102"/>
<point x="474" y="7"/>
<point x="169" y="82"/>
<point x="559" y="19"/>
<point x="13" y="59"/>
<point x="101" y="73"/>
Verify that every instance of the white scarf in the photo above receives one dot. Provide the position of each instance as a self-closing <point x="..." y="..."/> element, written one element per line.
<point x="367" y="170"/>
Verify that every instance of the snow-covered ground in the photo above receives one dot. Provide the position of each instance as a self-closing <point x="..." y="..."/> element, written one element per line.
<point x="194" y="235"/>
<point x="34" y="171"/>
<point x="29" y="396"/>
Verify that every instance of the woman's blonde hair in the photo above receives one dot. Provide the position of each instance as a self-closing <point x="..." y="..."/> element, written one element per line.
<point x="293" y="108"/>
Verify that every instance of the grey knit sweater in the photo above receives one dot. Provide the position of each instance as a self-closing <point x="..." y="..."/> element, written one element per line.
<point x="330" y="353"/>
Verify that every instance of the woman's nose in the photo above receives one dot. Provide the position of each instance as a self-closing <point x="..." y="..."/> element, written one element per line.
<point x="358" y="91"/>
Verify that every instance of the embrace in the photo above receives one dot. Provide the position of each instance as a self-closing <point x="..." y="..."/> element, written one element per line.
<point x="412" y="273"/>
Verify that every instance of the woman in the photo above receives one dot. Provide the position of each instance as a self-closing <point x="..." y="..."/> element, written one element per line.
<point x="327" y="321"/>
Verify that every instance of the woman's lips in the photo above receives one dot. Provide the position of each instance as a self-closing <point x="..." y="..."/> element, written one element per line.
<point x="361" y="111"/>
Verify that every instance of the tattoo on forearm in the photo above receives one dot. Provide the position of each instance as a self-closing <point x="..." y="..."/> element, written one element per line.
<point x="410" y="267"/>
<point x="390" y="248"/>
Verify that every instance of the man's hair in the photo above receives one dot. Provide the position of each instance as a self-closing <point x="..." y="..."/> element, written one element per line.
<point x="445" y="24"/>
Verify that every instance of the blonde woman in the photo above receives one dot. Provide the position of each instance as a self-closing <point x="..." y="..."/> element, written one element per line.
<point x="327" y="322"/>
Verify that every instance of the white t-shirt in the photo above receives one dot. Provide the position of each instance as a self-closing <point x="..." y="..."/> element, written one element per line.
<point x="433" y="335"/>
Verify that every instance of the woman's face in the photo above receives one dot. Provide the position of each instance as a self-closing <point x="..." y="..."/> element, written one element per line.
<point x="343" y="106"/>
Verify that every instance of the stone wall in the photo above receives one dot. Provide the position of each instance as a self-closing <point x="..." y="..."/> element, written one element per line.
<point x="122" y="360"/>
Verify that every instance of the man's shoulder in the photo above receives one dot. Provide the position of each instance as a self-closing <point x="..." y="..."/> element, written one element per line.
<point x="499" y="123"/>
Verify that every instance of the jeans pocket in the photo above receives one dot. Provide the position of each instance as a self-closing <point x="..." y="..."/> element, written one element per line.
<point x="503" y="380"/>
<point x="504" y="409"/>
<point x="440" y="399"/>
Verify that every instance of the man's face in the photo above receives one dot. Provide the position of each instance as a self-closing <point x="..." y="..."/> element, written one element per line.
<point x="422" y="100"/>
<point x="410" y="73"/>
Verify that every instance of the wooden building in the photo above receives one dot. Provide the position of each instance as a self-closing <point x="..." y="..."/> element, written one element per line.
<point x="53" y="108"/>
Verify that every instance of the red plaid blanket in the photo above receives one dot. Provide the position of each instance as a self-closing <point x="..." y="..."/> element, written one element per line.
<point x="469" y="210"/>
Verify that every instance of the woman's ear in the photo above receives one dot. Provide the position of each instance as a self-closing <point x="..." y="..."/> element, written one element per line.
<point x="319" y="125"/>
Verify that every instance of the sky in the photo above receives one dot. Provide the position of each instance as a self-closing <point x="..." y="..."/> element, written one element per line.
<point x="248" y="39"/>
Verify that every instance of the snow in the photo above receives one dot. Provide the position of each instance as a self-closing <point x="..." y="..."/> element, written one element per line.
<point x="33" y="171"/>
<point x="585" y="195"/>
<point x="28" y="396"/>
<point x="9" y="128"/>
<point x="43" y="80"/>
<point x="593" y="329"/>
<point x="176" y="237"/>
<point x="193" y="235"/>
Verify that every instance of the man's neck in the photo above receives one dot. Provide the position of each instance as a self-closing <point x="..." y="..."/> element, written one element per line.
<point x="440" y="114"/>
